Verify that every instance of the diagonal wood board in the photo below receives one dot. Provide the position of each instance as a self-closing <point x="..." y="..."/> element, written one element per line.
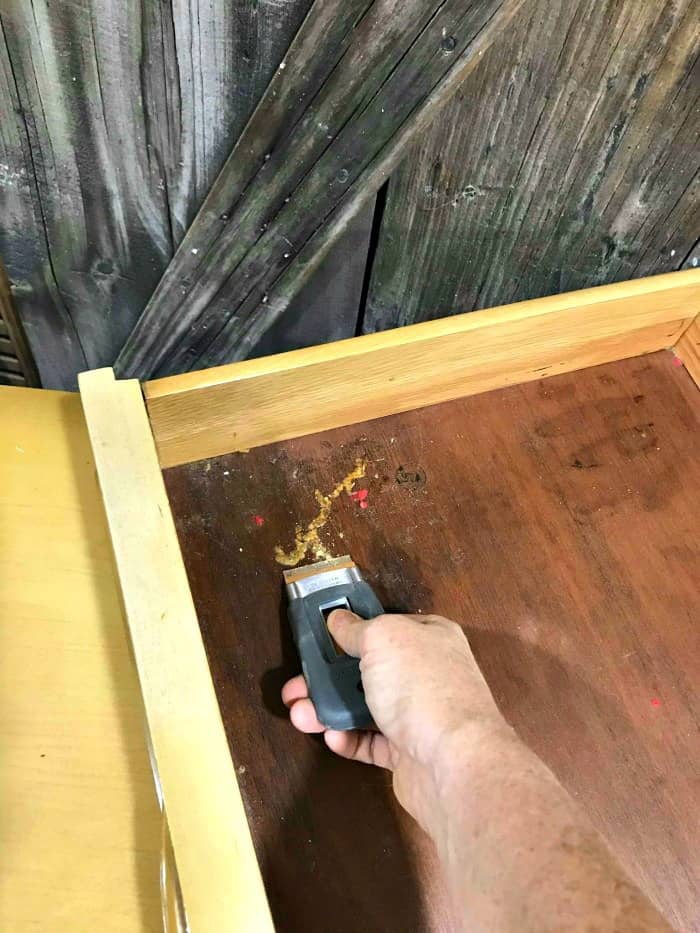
<point x="359" y="82"/>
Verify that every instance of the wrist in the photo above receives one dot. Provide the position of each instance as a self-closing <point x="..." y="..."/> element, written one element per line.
<point x="461" y="757"/>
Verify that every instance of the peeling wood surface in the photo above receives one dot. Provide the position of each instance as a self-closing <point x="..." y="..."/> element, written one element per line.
<point x="569" y="158"/>
<point x="359" y="81"/>
<point x="115" y="118"/>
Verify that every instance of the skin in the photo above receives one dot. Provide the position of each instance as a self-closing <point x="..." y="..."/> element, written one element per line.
<point x="518" y="853"/>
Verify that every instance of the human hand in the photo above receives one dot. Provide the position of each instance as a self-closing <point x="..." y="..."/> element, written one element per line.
<point x="426" y="695"/>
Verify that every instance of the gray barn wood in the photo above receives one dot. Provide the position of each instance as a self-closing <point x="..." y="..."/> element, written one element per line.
<point x="115" y="118"/>
<point x="570" y="158"/>
<point x="358" y="82"/>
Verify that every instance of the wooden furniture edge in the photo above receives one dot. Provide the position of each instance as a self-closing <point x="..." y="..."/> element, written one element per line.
<point x="687" y="349"/>
<point x="254" y="402"/>
<point x="218" y="872"/>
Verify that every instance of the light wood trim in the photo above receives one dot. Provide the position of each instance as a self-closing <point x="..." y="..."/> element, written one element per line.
<point x="221" y="884"/>
<point x="254" y="402"/>
<point x="688" y="349"/>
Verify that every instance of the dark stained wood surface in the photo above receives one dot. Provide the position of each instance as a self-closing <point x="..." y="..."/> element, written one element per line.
<point x="558" y="522"/>
<point x="569" y="158"/>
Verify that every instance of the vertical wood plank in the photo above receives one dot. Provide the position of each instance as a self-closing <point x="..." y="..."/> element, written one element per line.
<point x="221" y="884"/>
<point x="115" y="117"/>
<point x="569" y="159"/>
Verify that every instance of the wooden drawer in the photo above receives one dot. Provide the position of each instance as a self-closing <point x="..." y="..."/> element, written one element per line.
<point x="559" y="507"/>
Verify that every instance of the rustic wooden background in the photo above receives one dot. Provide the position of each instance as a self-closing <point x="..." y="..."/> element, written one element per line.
<point x="568" y="157"/>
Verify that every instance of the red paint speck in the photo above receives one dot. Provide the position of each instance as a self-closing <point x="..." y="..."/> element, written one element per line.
<point x="360" y="495"/>
<point x="677" y="361"/>
<point x="259" y="520"/>
<point x="656" y="702"/>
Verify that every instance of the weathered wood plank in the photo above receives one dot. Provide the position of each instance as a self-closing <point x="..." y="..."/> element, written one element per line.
<point x="570" y="158"/>
<point x="23" y="233"/>
<point x="115" y="117"/>
<point x="322" y="141"/>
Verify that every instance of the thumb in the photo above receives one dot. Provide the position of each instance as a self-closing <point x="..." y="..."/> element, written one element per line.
<point x="348" y="630"/>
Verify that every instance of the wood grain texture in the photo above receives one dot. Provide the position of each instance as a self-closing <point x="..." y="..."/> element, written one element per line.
<point x="255" y="402"/>
<point x="359" y="81"/>
<point x="219" y="877"/>
<point x="688" y="349"/>
<point x="115" y="118"/>
<point x="569" y="158"/>
<point x="81" y="826"/>
<point x="557" y="522"/>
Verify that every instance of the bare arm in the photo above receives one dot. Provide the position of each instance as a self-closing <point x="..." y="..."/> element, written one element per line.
<point x="518" y="853"/>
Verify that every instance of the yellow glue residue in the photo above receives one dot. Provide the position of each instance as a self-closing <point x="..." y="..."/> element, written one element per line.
<point x="308" y="542"/>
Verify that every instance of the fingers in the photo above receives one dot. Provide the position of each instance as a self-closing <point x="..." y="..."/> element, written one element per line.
<point x="295" y="695"/>
<point x="304" y="718"/>
<point x="295" y="689"/>
<point x="348" y="630"/>
<point x="371" y="748"/>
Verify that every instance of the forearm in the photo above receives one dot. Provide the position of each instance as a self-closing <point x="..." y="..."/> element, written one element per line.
<point x="519" y="855"/>
<point x="518" y="852"/>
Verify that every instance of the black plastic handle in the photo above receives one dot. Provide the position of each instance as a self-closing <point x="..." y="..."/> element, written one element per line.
<point x="333" y="677"/>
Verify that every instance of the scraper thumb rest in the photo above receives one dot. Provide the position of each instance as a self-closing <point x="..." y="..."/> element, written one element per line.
<point x="333" y="677"/>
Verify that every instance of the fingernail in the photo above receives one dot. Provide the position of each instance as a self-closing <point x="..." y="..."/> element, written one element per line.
<point x="340" y="617"/>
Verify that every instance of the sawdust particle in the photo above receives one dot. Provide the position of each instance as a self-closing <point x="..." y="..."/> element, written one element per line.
<point x="308" y="542"/>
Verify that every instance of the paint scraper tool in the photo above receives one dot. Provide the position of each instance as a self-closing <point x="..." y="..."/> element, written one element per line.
<point x="332" y="676"/>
